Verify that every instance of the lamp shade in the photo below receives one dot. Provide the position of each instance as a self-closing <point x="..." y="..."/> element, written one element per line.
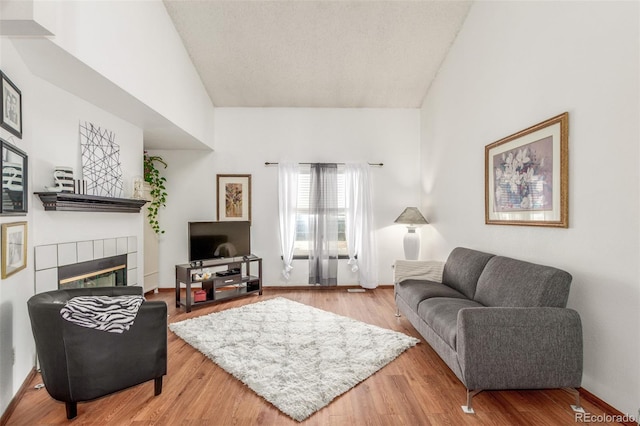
<point x="411" y="216"/>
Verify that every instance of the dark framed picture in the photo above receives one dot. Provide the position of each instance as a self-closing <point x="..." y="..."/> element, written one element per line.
<point x="15" y="182"/>
<point x="234" y="197"/>
<point x="11" y="108"/>
<point x="14" y="248"/>
<point x="527" y="177"/>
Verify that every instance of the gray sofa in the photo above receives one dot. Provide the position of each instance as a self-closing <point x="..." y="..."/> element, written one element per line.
<point x="497" y="322"/>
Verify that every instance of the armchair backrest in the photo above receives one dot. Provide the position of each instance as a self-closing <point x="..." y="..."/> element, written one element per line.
<point x="79" y="363"/>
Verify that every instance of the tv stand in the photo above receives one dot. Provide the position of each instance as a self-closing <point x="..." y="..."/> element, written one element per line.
<point x="235" y="281"/>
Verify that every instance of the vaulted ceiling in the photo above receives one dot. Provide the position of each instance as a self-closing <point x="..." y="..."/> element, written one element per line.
<point x="293" y="53"/>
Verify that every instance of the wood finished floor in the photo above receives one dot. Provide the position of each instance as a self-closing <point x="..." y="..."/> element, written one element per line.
<point x="415" y="389"/>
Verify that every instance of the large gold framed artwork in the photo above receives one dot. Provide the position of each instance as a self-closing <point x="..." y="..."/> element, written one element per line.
<point x="527" y="178"/>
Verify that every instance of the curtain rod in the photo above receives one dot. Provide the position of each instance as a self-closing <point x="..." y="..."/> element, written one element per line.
<point x="271" y="163"/>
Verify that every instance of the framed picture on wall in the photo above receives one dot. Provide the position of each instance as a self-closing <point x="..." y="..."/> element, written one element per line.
<point x="234" y="197"/>
<point x="527" y="178"/>
<point x="11" y="107"/>
<point x="15" y="183"/>
<point x="14" y="248"/>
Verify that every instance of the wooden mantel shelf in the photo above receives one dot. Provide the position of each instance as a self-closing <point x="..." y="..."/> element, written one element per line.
<point x="62" y="201"/>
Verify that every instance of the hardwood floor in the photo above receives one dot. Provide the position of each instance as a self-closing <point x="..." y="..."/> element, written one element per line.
<point x="415" y="389"/>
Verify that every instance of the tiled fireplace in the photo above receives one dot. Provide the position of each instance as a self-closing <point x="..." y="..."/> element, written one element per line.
<point x="110" y="261"/>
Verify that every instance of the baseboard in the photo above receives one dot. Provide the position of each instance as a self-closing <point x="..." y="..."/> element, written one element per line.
<point x="17" y="397"/>
<point x="606" y="408"/>
<point x="321" y="288"/>
<point x="300" y="287"/>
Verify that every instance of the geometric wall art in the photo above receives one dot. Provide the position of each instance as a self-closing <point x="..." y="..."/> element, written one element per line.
<point x="100" y="161"/>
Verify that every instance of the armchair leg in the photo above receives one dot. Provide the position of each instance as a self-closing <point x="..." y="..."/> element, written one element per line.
<point x="468" y="409"/>
<point x="72" y="409"/>
<point x="158" y="386"/>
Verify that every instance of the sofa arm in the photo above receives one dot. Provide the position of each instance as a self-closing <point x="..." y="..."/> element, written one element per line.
<point x="417" y="270"/>
<point x="519" y="348"/>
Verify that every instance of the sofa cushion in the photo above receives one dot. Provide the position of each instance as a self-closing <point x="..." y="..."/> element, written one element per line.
<point x="441" y="314"/>
<point x="415" y="291"/>
<point x="463" y="268"/>
<point x="509" y="282"/>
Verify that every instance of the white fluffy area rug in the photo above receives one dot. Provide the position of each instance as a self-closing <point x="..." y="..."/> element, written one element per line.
<point x="297" y="357"/>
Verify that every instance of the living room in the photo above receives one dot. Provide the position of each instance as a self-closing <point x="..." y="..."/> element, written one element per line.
<point x="121" y="65"/>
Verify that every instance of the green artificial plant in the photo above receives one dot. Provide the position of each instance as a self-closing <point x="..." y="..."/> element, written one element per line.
<point x="158" y="191"/>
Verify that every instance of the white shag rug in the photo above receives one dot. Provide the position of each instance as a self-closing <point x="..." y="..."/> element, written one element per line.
<point x="297" y="357"/>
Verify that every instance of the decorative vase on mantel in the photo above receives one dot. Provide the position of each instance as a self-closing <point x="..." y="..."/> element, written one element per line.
<point x="62" y="180"/>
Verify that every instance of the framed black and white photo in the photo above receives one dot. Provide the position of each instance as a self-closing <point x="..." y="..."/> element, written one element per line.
<point x="11" y="107"/>
<point x="15" y="184"/>
<point x="14" y="248"/>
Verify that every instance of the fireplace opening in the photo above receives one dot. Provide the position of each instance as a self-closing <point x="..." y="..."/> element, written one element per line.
<point x="107" y="272"/>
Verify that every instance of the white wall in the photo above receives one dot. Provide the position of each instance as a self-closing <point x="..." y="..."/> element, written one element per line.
<point x="57" y="143"/>
<point x="246" y="138"/>
<point x="15" y="332"/>
<point x="51" y="138"/>
<point x="109" y="46"/>
<point x="515" y="64"/>
<point x="135" y="45"/>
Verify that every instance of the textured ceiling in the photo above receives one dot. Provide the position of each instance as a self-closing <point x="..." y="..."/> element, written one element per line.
<point x="367" y="54"/>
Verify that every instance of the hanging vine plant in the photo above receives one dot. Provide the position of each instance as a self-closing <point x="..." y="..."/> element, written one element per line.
<point x="158" y="191"/>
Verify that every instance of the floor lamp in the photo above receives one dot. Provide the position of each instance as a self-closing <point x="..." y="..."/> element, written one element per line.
<point x="411" y="217"/>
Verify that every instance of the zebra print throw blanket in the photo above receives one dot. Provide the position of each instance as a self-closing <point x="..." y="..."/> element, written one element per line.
<point x="113" y="314"/>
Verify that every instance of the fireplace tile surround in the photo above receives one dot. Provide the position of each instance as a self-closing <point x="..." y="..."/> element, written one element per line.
<point x="50" y="256"/>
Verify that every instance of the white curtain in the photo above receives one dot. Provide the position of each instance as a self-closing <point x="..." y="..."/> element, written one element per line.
<point x="287" y="203"/>
<point x="359" y="224"/>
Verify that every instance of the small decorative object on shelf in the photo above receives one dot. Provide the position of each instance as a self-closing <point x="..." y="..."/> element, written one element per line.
<point x="138" y="188"/>
<point x="203" y="276"/>
<point x="80" y="186"/>
<point x="62" y="180"/>
<point x="199" y="296"/>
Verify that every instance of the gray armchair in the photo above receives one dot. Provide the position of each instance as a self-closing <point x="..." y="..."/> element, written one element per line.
<point x="81" y="364"/>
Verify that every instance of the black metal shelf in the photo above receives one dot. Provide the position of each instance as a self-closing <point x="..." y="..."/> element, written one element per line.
<point x="63" y="201"/>
<point x="243" y="283"/>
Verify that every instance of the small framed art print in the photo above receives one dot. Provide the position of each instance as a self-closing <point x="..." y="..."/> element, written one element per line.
<point x="234" y="197"/>
<point x="14" y="248"/>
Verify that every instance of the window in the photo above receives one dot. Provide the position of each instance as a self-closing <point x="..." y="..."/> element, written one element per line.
<point x="301" y="249"/>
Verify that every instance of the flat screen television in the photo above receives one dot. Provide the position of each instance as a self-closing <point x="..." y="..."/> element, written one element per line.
<point x="216" y="240"/>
